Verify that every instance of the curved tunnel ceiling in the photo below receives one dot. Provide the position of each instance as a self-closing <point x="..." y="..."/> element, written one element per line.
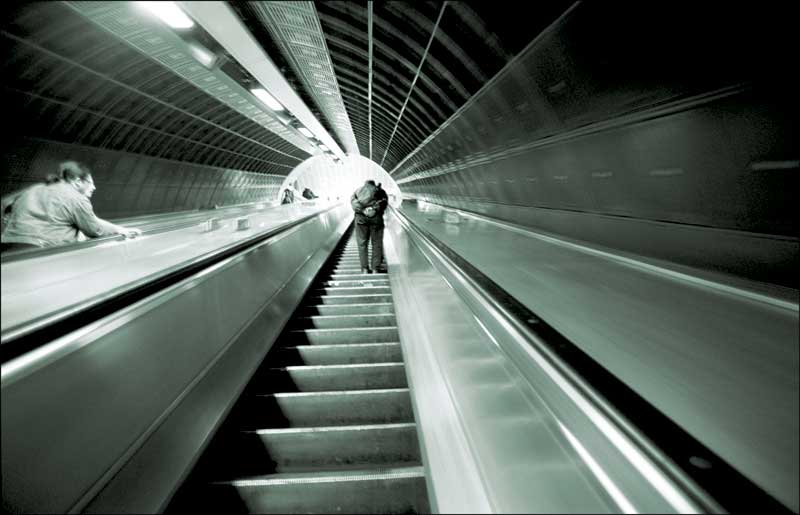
<point x="96" y="74"/>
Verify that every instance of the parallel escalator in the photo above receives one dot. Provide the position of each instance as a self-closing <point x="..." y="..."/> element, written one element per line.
<point x="326" y="423"/>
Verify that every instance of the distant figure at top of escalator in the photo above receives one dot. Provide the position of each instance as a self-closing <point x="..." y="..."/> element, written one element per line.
<point x="55" y="212"/>
<point x="308" y="194"/>
<point x="288" y="196"/>
<point x="369" y="203"/>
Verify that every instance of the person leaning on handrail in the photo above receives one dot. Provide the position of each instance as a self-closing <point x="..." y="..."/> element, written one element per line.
<point x="55" y="212"/>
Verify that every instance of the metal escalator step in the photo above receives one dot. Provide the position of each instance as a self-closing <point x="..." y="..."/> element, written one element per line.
<point x="339" y="354"/>
<point x="377" y="445"/>
<point x="327" y="378"/>
<point x="344" y="290"/>
<point x="355" y="283"/>
<point x="399" y="490"/>
<point x="350" y="299"/>
<point x="269" y="451"/>
<point x="349" y="335"/>
<point x="347" y="269"/>
<point x="358" y="275"/>
<point x="344" y="321"/>
<point x="376" y="308"/>
<point x="309" y="409"/>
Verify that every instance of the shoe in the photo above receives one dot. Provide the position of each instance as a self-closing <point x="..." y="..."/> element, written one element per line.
<point x="366" y="271"/>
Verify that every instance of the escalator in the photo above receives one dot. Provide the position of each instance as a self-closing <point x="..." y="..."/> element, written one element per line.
<point x="326" y="423"/>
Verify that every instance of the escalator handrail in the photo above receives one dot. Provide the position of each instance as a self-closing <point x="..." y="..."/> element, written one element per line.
<point x="35" y="333"/>
<point x="182" y="220"/>
<point x="714" y="485"/>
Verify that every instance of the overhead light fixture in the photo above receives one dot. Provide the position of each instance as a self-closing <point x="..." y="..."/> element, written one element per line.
<point x="170" y="13"/>
<point x="323" y="147"/>
<point x="268" y="99"/>
<point x="205" y="56"/>
<point x="305" y="132"/>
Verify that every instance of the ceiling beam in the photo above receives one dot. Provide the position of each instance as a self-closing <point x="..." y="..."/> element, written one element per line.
<point x="222" y="23"/>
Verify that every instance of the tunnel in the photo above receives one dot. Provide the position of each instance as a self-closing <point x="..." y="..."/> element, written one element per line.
<point x="579" y="293"/>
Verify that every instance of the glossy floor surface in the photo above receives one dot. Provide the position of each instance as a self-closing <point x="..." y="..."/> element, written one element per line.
<point x="720" y="361"/>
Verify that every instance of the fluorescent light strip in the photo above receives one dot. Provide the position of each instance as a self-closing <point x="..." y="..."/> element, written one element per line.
<point x="169" y="13"/>
<point x="323" y="147"/>
<point x="202" y="54"/>
<point x="268" y="99"/>
<point x="305" y="132"/>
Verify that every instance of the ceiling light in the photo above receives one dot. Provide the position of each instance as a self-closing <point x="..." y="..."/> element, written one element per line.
<point x="202" y="54"/>
<point x="169" y="13"/>
<point x="268" y="99"/>
<point x="323" y="147"/>
<point x="305" y="132"/>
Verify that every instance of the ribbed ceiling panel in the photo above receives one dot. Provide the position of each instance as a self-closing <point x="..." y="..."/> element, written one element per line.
<point x="67" y="79"/>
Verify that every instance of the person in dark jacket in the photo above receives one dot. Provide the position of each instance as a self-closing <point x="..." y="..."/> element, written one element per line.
<point x="369" y="202"/>
<point x="55" y="212"/>
<point x="308" y="194"/>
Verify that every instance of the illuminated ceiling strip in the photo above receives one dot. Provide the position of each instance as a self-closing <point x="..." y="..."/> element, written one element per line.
<point x="413" y="82"/>
<point x="219" y="20"/>
<point x="296" y="30"/>
<point x="369" y="90"/>
<point x="151" y="98"/>
<point x="169" y="13"/>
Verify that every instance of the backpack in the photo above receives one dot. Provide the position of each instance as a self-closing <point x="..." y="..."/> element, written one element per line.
<point x="365" y="193"/>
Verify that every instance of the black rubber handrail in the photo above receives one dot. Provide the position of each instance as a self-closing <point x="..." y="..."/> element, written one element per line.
<point x="183" y="220"/>
<point x="36" y="333"/>
<point x="726" y="485"/>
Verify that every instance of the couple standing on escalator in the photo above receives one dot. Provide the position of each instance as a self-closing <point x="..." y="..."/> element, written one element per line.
<point x="369" y="202"/>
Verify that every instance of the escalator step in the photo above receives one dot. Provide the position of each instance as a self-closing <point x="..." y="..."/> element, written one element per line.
<point x="309" y="409"/>
<point x="344" y="321"/>
<point x="367" y="282"/>
<point x="400" y="490"/>
<point x="350" y="299"/>
<point x="348" y="335"/>
<point x="339" y="354"/>
<point x="344" y="290"/>
<point x="375" y="308"/>
<point x="269" y="451"/>
<point x="327" y="378"/>
<point x="326" y="424"/>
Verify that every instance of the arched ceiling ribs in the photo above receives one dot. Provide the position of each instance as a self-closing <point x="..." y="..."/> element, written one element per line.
<point x="385" y="126"/>
<point x="414" y="82"/>
<point x="391" y="53"/>
<point x="382" y="92"/>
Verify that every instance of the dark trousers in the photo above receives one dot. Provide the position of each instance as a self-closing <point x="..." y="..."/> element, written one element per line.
<point x="365" y="233"/>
